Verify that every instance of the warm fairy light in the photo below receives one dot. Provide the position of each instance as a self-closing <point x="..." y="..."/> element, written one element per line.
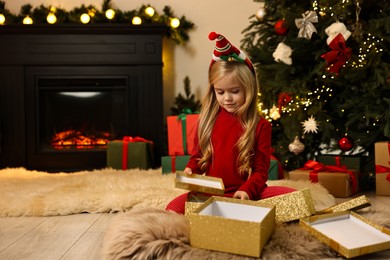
<point x="51" y="18"/>
<point x="85" y="18"/>
<point x="27" y="20"/>
<point x="175" y="23"/>
<point x="2" y="19"/>
<point x="136" y="20"/>
<point x="149" y="11"/>
<point x="110" y="14"/>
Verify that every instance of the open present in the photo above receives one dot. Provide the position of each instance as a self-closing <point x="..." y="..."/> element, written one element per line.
<point x="232" y="225"/>
<point x="348" y="233"/>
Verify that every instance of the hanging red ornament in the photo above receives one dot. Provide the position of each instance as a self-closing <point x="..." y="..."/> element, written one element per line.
<point x="345" y="143"/>
<point x="281" y="27"/>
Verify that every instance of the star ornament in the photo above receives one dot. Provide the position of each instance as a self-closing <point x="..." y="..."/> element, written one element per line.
<point x="310" y="125"/>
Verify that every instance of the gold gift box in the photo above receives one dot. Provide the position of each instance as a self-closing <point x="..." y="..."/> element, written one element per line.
<point x="352" y="204"/>
<point x="199" y="183"/>
<point x="337" y="183"/>
<point x="232" y="225"/>
<point x="292" y="206"/>
<point x="348" y="233"/>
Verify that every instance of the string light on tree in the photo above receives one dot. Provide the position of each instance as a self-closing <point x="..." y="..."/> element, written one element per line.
<point x="149" y="11"/>
<point x="85" y="18"/>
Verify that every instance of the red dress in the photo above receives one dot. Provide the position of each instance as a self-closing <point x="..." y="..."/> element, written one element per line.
<point x="226" y="132"/>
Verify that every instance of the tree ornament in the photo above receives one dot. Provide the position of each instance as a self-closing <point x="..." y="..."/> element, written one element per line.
<point x="260" y="14"/>
<point x="281" y="27"/>
<point x="310" y="125"/>
<point x="283" y="54"/>
<point x="305" y="24"/>
<point x="345" y="143"/>
<point x="296" y="147"/>
<point x="274" y="113"/>
<point x="339" y="54"/>
<point x="334" y="29"/>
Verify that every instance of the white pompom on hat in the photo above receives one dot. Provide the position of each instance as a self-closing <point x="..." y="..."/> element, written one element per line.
<point x="224" y="50"/>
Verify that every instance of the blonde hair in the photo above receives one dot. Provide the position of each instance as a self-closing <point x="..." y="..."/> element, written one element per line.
<point x="248" y="114"/>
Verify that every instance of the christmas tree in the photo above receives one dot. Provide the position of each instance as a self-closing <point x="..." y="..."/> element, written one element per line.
<point x="323" y="70"/>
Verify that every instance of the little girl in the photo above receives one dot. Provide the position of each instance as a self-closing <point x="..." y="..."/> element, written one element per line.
<point x="233" y="141"/>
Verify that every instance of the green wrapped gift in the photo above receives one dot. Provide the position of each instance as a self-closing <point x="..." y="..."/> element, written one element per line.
<point x="174" y="163"/>
<point x="273" y="172"/>
<point x="130" y="154"/>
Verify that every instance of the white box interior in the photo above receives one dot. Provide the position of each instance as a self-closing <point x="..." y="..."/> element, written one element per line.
<point x="350" y="231"/>
<point x="200" y="182"/>
<point x="236" y="211"/>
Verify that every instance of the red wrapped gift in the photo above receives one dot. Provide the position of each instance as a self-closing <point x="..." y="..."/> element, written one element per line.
<point x="382" y="168"/>
<point x="181" y="133"/>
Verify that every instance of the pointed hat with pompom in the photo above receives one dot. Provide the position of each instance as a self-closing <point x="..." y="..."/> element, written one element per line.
<point x="224" y="50"/>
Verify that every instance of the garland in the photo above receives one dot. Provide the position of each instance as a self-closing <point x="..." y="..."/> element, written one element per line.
<point x="177" y="27"/>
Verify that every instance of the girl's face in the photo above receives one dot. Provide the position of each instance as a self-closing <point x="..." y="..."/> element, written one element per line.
<point x="230" y="94"/>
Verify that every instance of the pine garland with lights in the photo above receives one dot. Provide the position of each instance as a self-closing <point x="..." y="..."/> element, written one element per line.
<point x="321" y="83"/>
<point x="178" y="28"/>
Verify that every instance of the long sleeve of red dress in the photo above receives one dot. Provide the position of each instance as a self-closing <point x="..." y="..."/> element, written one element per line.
<point x="226" y="132"/>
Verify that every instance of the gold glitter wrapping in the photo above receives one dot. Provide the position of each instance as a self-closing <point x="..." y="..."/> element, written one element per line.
<point x="353" y="204"/>
<point x="199" y="188"/>
<point x="306" y="223"/>
<point x="292" y="206"/>
<point x="194" y="201"/>
<point x="231" y="235"/>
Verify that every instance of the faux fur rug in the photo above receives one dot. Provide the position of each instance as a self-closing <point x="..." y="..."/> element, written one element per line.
<point x="159" y="234"/>
<point x="33" y="193"/>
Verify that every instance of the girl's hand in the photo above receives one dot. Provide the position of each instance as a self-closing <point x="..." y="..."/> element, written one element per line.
<point x="241" y="195"/>
<point x="188" y="170"/>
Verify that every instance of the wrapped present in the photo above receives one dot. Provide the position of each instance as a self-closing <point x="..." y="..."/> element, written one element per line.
<point x="199" y="183"/>
<point x="181" y="133"/>
<point x="232" y="225"/>
<point x="131" y="152"/>
<point x="382" y="168"/>
<point x="174" y="163"/>
<point x="292" y="206"/>
<point x="352" y="162"/>
<point x="275" y="171"/>
<point x="348" y="233"/>
<point x="339" y="181"/>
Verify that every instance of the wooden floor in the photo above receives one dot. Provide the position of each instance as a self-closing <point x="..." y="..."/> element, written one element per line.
<point x="78" y="236"/>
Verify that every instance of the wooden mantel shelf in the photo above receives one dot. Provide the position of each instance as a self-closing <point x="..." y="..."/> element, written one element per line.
<point x="83" y="29"/>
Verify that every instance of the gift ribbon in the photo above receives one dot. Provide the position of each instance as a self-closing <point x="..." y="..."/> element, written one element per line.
<point x="173" y="167"/>
<point x="317" y="167"/>
<point x="125" y="147"/>
<point x="183" y="116"/>
<point x="339" y="54"/>
<point x="305" y="24"/>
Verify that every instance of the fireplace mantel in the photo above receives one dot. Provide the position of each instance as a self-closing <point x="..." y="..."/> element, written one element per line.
<point x="134" y="52"/>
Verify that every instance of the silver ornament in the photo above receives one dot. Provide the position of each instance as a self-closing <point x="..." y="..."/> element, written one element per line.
<point x="296" y="147"/>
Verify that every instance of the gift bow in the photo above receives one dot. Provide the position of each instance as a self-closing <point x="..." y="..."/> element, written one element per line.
<point x="317" y="167"/>
<point x="339" y="54"/>
<point x="305" y="24"/>
<point x="126" y="140"/>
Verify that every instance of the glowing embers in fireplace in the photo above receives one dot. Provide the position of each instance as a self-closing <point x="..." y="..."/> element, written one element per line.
<point x="75" y="139"/>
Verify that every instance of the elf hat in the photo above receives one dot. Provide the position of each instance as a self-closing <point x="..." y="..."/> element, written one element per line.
<point x="224" y="50"/>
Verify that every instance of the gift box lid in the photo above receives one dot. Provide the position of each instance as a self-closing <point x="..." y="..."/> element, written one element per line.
<point x="352" y="204"/>
<point x="348" y="233"/>
<point x="200" y="183"/>
<point x="292" y="206"/>
<point x="232" y="225"/>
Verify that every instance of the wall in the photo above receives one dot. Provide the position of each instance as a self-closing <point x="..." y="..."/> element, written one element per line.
<point x="228" y="17"/>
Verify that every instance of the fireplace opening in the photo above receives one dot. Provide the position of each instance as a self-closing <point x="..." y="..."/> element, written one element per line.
<point x="81" y="113"/>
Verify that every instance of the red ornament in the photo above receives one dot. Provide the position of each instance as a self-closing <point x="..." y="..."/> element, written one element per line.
<point x="345" y="144"/>
<point x="281" y="27"/>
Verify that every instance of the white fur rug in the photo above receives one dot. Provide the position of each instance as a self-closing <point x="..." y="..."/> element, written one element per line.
<point x="33" y="193"/>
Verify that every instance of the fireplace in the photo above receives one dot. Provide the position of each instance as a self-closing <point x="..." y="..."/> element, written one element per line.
<point x="65" y="95"/>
